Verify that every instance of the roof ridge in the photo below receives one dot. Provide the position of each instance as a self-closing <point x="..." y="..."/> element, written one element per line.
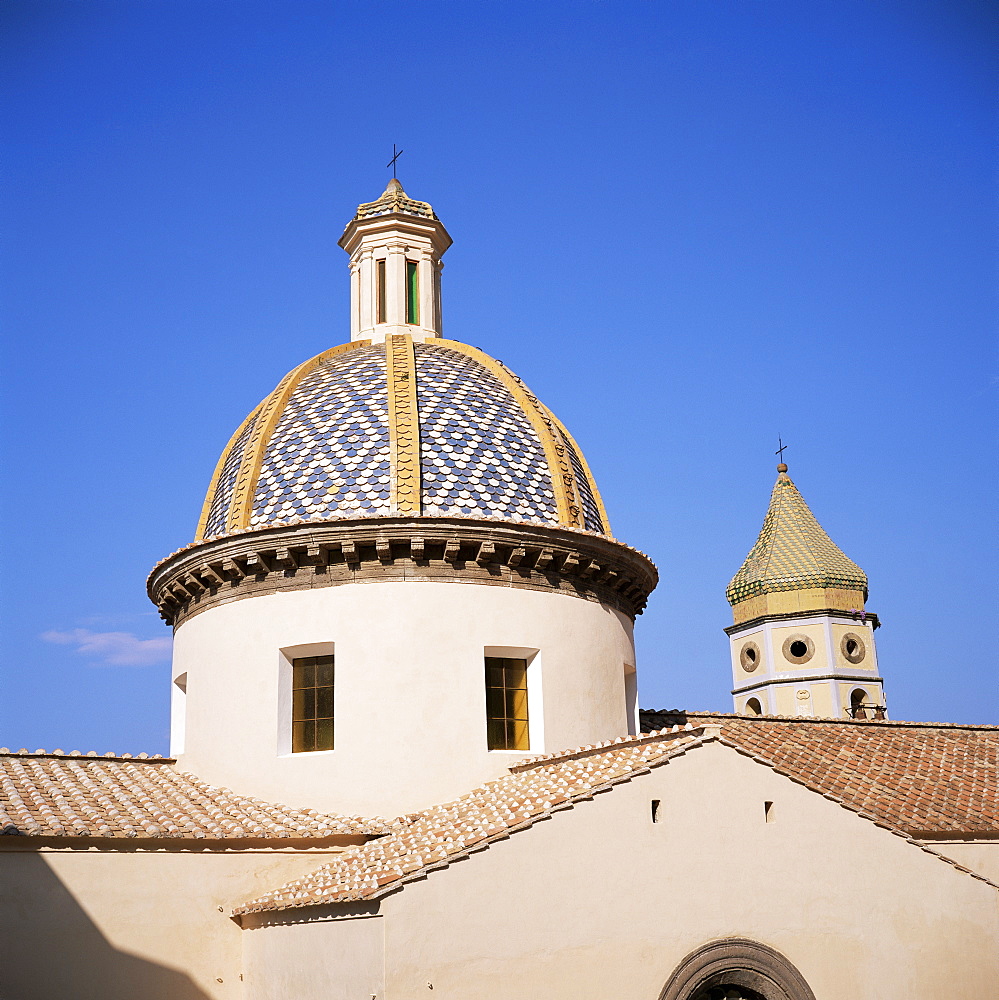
<point x="89" y="755"/>
<point x="812" y="720"/>
<point x="409" y="853"/>
<point x="589" y="749"/>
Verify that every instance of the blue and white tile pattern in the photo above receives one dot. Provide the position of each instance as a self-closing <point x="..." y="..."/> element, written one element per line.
<point x="329" y="454"/>
<point x="480" y="455"/>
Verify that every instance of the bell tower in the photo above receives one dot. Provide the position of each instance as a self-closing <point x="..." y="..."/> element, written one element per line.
<point x="395" y="245"/>
<point x="803" y="641"/>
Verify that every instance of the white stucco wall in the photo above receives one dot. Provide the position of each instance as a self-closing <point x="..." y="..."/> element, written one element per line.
<point x="131" y="924"/>
<point x="600" y="902"/>
<point x="980" y="856"/>
<point x="288" y="961"/>
<point x="410" y="689"/>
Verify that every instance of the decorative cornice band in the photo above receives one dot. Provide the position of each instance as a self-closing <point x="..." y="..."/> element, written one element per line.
<point x="241" y="503"/>
<point x="786" y="616"/>
<point x="404" y="425"/>
<point x="406" y="549"/>
<point x="559" y="466"/>
<point x="776" y="680"/>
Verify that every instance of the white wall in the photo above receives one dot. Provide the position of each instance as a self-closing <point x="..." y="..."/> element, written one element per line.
<point x="132" y="924"/>
<point x="599" y="901"/>
<point x="410" y="688"/>
<point x="289" y="961"/>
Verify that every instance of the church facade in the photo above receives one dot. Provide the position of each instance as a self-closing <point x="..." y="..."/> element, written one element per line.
<point x="402" y="523"/>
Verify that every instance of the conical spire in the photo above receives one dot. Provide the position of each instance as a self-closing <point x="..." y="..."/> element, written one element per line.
<point x="793" y="553"/>
<point x="394" y="200"/>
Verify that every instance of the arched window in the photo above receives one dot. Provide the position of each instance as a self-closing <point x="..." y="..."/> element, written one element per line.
<point x="857" y="708"/>
<point x="736" y="969"/>
<point x="753" y="707"/>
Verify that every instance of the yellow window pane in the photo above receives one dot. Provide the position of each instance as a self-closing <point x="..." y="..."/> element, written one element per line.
<point x="495" y="703"/>
<point x="298" y="705"/>
<point x="516" y="704"/>
<point x="494" y="671"/>
<point x="497" y="734"/>
<point x="519" y="736"/>
<point x="324" y="703"/>
<point x="516" y="674"/>
<point x="324" y="671"/>
<point x="308" y="703"/>
<point x="324" y="734"/>
<point x="305" y="673"/>
<point x="298" y="738"/>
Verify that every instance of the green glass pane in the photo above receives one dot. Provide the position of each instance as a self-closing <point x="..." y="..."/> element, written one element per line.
<point x="298" y="705"/>
<point x="309" y="703"/>
<point x="324" y="703"/>
<point x="324" y="671"/>
<point x="324" y="734"/>
<point x="412" y="293"/>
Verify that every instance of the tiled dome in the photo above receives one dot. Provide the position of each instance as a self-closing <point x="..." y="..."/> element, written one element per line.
<point x="434" y="429"/>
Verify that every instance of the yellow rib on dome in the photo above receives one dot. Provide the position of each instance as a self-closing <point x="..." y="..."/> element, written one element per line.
<point x="595" y="493"/>
<point x="241" y="502"/>
<point x="404" y="424"/>
<point x="570" y="512"/>
<point x="216" y="475"/>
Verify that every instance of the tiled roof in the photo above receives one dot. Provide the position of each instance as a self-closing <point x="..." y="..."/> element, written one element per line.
<point x="394" y="199"/>
<point x="945" y="775"/>
<point x="438" y="836"/>
<point x="792" y="552"/>
<point x="74" y="795"/>
<point x="927" y="779"/>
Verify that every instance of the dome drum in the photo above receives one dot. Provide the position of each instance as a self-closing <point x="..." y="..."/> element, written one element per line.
<point x="404" y="549"/>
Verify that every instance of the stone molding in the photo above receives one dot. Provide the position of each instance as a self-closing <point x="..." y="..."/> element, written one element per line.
<point x="737" y="963"/>
<point x="787" y="616"/>
<point x="306" y="556"/>
<point x="775" y="680"/>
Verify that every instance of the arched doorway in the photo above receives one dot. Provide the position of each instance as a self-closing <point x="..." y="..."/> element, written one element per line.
<point x="728" y="993"/>
<point x="736" y="969"/>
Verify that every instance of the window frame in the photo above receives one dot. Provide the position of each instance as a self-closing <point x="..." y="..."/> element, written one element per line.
<point x="535" y="696"/>
<point x="285" y="699"/>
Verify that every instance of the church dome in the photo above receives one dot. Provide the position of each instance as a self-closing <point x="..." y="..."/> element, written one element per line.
<point x="434" y="428"/>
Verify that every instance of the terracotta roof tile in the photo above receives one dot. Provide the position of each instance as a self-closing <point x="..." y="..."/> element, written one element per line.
<point x="924" y="778"/>
<point x="881" y="771"/>
<point x="436" y="837"/>
<point x="74" y="795"/>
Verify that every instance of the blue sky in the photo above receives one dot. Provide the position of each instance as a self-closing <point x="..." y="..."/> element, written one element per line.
<point x="689" y="226"/>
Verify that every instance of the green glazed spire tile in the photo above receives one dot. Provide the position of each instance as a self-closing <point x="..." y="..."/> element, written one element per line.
<point x="792" y="552"/>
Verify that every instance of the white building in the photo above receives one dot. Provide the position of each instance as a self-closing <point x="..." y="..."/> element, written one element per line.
<point x="403" y="603"/>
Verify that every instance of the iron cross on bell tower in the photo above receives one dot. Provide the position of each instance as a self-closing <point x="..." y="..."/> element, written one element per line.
<point x="395" y="156"/>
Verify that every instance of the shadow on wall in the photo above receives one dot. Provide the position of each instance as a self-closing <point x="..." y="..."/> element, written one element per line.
<point x="51" y="950"/>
